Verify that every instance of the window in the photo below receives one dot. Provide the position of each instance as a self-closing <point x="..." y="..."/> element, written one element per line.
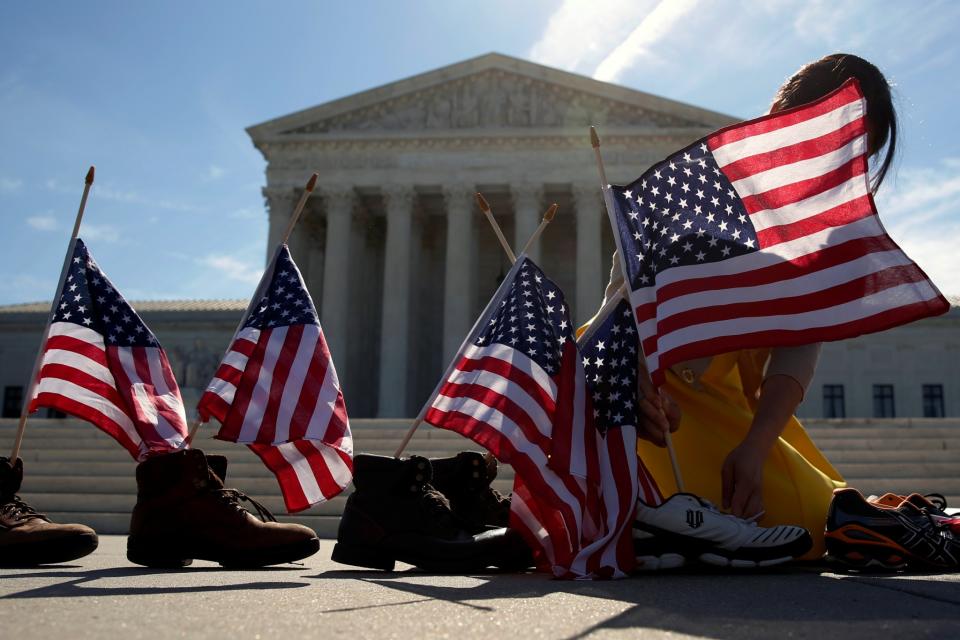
<point x="883" y="401"/>
<point x="933" y="401"/>
<point x="833" y="405"/>
<point x="12" y="401"/>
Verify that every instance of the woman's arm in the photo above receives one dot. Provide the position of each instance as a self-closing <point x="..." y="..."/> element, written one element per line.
<point x="790" y="372"/>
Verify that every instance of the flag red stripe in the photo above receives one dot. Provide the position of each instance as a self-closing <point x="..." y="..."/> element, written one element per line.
<point x="846" y="94"/>
<point x="502" y="403"/>
<point x="213" y="406"/>
<point x="803" y="150"/>
<point x="230" y="428"/>
<point x="278" y="382"/>
<point x="825" y="298"/>
<point x="83" y="379"/>
<point x="75" y="345"/>
<point x="878" y="322"/>
<point x="803" y="189"/>
<point x="312" y="384"/>
<point x="293" y="496"/>
<point x="325" y="480"/>
<point x="802" y="265"/>
<point x="515" y="375"/>
<point x="82" y="411"/>
<point x="837" y="216"/>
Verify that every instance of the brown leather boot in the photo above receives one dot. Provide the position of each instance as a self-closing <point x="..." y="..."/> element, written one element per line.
<point x="395" y="514"/>
<point x="183" y="512"/>
<point x="28" y="538"/>
<point x="465" y="480"/>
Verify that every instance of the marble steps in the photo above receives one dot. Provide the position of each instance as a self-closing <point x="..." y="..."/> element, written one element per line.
<point x="75" y="473"/>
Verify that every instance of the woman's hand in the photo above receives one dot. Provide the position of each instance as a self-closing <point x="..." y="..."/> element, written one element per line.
<point x="742" y="476"/>
<point x="659" y="414"/>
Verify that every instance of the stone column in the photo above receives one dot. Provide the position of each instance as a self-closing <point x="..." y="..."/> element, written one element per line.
<point x="336" y="273"/>
<point x="395" y="311"/>
<point x="457" y="290"/>
<point x="280" y="203"/>
<point x="314" y="275"/>
<point x="527" y="207"/>
<point x="588" y="202"/>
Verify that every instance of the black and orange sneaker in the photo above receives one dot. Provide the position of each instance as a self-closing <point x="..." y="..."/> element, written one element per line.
<point x="934" y="503"/>
<point x="862" y="535"/>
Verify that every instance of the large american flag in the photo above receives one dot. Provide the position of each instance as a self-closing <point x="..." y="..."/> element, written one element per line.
<point x="277" y="391"/>
<point x="518" y="389"/>
<point x="764" y="234"/>
<point x="102" y="364"/>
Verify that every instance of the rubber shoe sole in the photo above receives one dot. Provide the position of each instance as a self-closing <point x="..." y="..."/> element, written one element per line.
<point x="48" y="552"/>
<point x="159" y="555"/>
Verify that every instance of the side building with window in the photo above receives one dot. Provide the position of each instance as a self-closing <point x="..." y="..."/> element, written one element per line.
<point x="906" y="372"/>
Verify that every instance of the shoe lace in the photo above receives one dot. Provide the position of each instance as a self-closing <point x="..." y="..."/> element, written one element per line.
<point x="434" y="502"/>
<point x="17" y="509"/>
<point x="938" y="500"/>
<point x="233" y="497"/>
<point x="751" y="521"/>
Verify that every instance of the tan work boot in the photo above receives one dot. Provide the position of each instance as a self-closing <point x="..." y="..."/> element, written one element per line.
<point x="183" y="512"/>
<point x="28" y="538"/>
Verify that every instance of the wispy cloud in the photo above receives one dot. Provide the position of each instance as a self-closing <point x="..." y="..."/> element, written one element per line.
<point x="100" y="232"/>
<point x="9" y="185"/>
<point x="920" y="213"/>
<point x="42" y="223"/>
<point x="214" y="173"/>
<point x="582" y="32"/>
<point x="639" y="45"/>
<point x="232" y="268"/>
<point x="127" y="196"/>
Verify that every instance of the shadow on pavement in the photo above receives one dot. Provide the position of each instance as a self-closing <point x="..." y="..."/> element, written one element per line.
<point x="76" y="583"/>
<point x="717" y="604"/>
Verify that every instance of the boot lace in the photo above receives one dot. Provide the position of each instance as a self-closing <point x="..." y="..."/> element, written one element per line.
<point x="233" y="497"/>
<point x="17" y="509"/>
<point x="435" y="503"/>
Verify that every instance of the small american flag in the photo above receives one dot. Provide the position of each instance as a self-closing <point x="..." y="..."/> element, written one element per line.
<point x="102" y="364"/>
<point x="610" y="351"/>
<point x="764" y="234"/>
<point x="277" y="391"/>
<point x="518" y="389"/>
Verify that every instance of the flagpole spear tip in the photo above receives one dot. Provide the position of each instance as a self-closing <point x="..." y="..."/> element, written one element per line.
<point x="312" y="183"/>
<point x="482" y="202"/>
<point x="90" y="174"/>
<point x="552" y="211"/>
<point x="594" y="138"/>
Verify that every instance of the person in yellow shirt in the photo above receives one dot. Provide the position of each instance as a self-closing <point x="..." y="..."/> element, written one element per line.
<point x="737" y="440"/>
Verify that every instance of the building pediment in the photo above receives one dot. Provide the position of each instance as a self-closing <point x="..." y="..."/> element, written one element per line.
<point x="489" y="94"/>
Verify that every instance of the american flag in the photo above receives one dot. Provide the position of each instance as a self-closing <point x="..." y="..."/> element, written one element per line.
<point x="764" y="234"/>
<point x="277" y="391"/>
<point x="518" y="389"/>
<point x="610" y="351"/>
<point x="102" y="364"/>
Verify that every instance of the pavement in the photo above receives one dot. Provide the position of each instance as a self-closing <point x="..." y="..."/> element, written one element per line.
<point x="103" y="595"/>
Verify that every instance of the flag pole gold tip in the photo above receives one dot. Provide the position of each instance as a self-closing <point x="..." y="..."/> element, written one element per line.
<point x="482" y="202"/>
<point x="552" y="211"/>
<point x="312" y="183"/>
<point x="90" y="174"/>
<point x="594" y="138"/>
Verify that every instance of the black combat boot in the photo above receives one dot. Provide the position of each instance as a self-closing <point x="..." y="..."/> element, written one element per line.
<point x="28" y="538"/>
<point x="183" y="512"/>
<point x="395" y="514"/>
<point x="465" y="480"/>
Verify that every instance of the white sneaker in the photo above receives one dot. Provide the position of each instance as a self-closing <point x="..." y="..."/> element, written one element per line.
<point x="687" y="527"/>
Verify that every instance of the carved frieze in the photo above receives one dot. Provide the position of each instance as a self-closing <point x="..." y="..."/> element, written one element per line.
<point x="492" y="99"/>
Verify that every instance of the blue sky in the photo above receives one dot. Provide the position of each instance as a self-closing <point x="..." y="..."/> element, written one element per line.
<point x="158" y="95"/>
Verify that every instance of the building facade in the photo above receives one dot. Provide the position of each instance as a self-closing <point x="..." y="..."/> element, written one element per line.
<point x="399" y="261"/>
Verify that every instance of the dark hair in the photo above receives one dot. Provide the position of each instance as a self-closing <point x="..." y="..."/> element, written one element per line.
<point x="817" y="79"/>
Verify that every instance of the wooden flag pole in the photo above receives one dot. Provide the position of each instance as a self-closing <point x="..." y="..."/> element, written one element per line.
<point x="32" y="385"/>
<point x="294" y="217"/>
<point x="482" y="203"/>
<point x="605" y="187"/>
<point x="485" y="208"/>
<point x="547" y="219"/>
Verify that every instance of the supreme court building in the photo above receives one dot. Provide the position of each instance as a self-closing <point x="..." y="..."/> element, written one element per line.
<point x="400" y="262"/>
